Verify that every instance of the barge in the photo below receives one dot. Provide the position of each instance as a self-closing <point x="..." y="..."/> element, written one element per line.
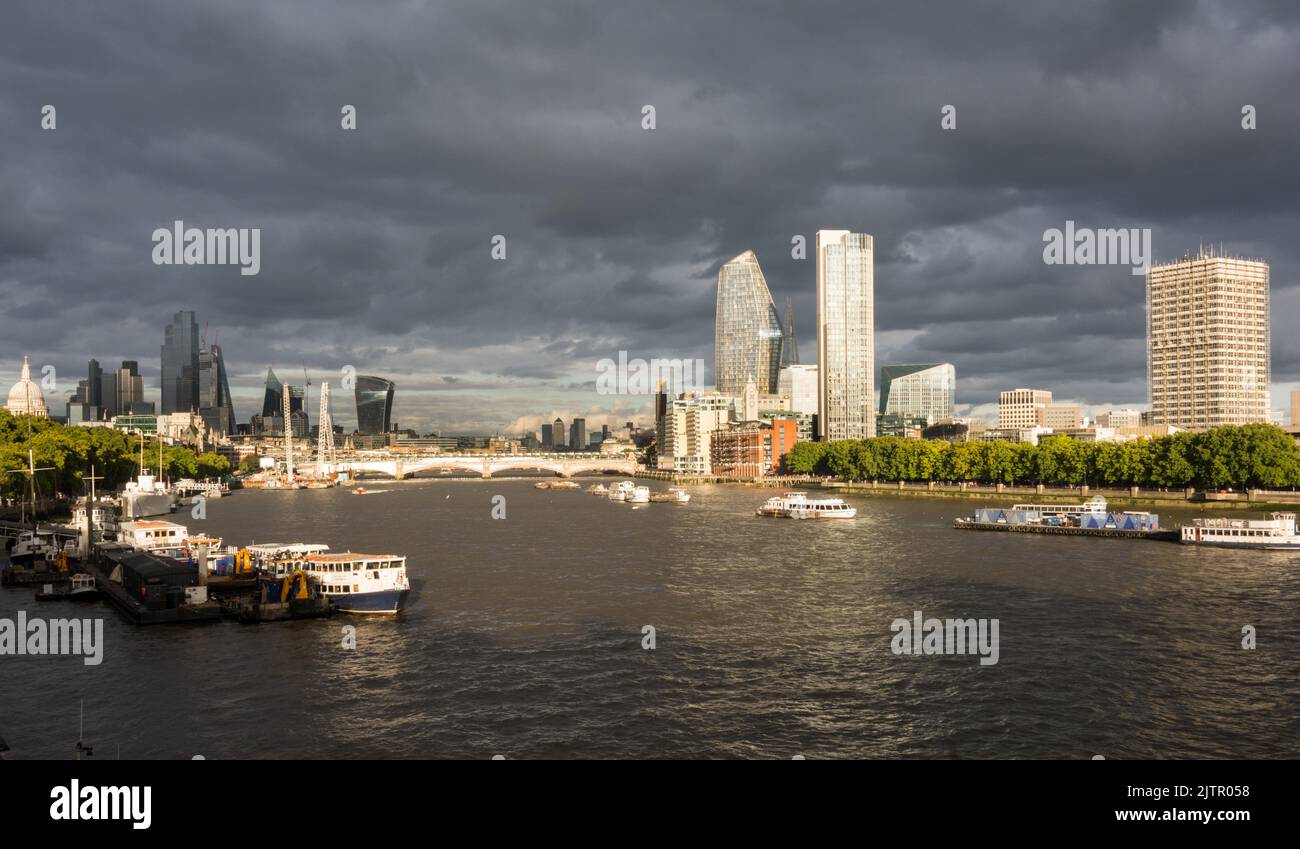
<point x="1090" y="519"/>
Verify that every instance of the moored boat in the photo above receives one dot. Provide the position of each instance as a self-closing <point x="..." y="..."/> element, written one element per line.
<point x="621" y="490"/>
<point x="354" y="583"/>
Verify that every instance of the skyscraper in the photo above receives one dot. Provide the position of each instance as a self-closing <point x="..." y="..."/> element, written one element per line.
<point x="271" y="400"/>
<point x="578" y="434"/>
<point x="747" y="330"/>
<point x="919" y="390"/>
<point x="94" y="381"/>
<point x="1208" y="341"/>
<point x="215" y="404"/>
<point x="846" y="336"/>
<point x="180" y="364"/>
<point x="374" y="404"/>
<point x="129" y="388"/>
<point x="790" y="346"/>
<point x="558" y="433"/>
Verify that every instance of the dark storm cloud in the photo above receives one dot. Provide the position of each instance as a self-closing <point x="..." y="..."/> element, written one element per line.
<point x="478" y="119"/>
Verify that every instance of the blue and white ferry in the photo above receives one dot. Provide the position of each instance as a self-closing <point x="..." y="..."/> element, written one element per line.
<point x="354" y="583"/>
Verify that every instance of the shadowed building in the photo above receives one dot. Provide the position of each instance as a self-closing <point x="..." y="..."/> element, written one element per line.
<point x="180" y="365"/>
<point x="374" y="404"/>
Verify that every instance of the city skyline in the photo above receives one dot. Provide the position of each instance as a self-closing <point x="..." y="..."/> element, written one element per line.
<point x="616" y="234"/>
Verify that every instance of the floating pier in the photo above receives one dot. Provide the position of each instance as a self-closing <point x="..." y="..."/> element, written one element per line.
<point x="1067" y="530"/>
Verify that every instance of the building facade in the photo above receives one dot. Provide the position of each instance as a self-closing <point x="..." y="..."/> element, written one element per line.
<point x="799" y="384"/>
<point x="747" y="330"/>
<point x="846" y="338"/>
<point x="1021" y="409"/>
<point x="919" y="391"/>
<point x="215" y="404"/>
<point x="180" y="364"/>
<point x="374" y="404"/>
<point x="1208" y="336"/>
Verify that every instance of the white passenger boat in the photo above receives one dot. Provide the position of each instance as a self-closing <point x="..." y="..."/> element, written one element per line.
<point x="354" y="583"/>
<point x="680" y="496"/>
<point x="621" y="491"/>
<point x="797" y="505"/>
<point x="639" y="495"/>
<point x="599" y="489"/>
<point x="155" y="536"/>
<point x="1277" y="533"/>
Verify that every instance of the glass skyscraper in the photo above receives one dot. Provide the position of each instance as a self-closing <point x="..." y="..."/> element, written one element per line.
<point x="919" y="390"/>
<point x="215" y="404"/>
<point x="374" y="404"/>
<point x="747" y="330"/>
<point x="271" y="398"/>
<point x="846" y="335"/>
<point x="180" y="364"/>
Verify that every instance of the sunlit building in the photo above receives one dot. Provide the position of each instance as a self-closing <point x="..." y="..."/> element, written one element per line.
<point x="846" y="336"/>
<point x="918" y="391"/>
<point x="1208" y="341"/>
<point x="747" y="329"/>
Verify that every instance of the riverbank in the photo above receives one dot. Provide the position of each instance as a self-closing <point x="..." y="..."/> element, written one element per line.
<point x="1134" y="496"/>
<point x="998" y="493"/>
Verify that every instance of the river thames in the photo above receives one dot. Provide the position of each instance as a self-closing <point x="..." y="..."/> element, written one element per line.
<point x="524" y="638"/>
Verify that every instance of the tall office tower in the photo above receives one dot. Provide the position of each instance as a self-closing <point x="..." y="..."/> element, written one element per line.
<point x="129" y="388"/>
<point x="578" y="434"/>
<point x="1022" y="408"/>
<point x="215" y="405"/>
<point x="919" y="390"/>
<point x="747" y="330"/>
<point x="374" y="404"/>
<point x="180" y="364"/>
<point x="94" y="382"/>
<point x="271" y="401"/>
<point x="661" y="412"/>
<point x="790" y="347"/>
<point x="108" y="395"/>
<point x="1208" y="341"/>
<point x="1295" y="408"/>
<point x="846" y="335"/>
<point x="559" y="433"/>
<point x="548" y="436"/>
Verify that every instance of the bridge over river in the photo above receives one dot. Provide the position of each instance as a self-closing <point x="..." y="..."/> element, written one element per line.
<point x="487" y="465"/>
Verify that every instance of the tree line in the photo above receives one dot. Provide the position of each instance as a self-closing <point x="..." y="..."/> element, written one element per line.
<point x="67" y="453"/>
<point x="1257" y="456"/>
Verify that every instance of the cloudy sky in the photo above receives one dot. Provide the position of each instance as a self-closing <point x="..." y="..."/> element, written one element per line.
<point x="525" y="120"/>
